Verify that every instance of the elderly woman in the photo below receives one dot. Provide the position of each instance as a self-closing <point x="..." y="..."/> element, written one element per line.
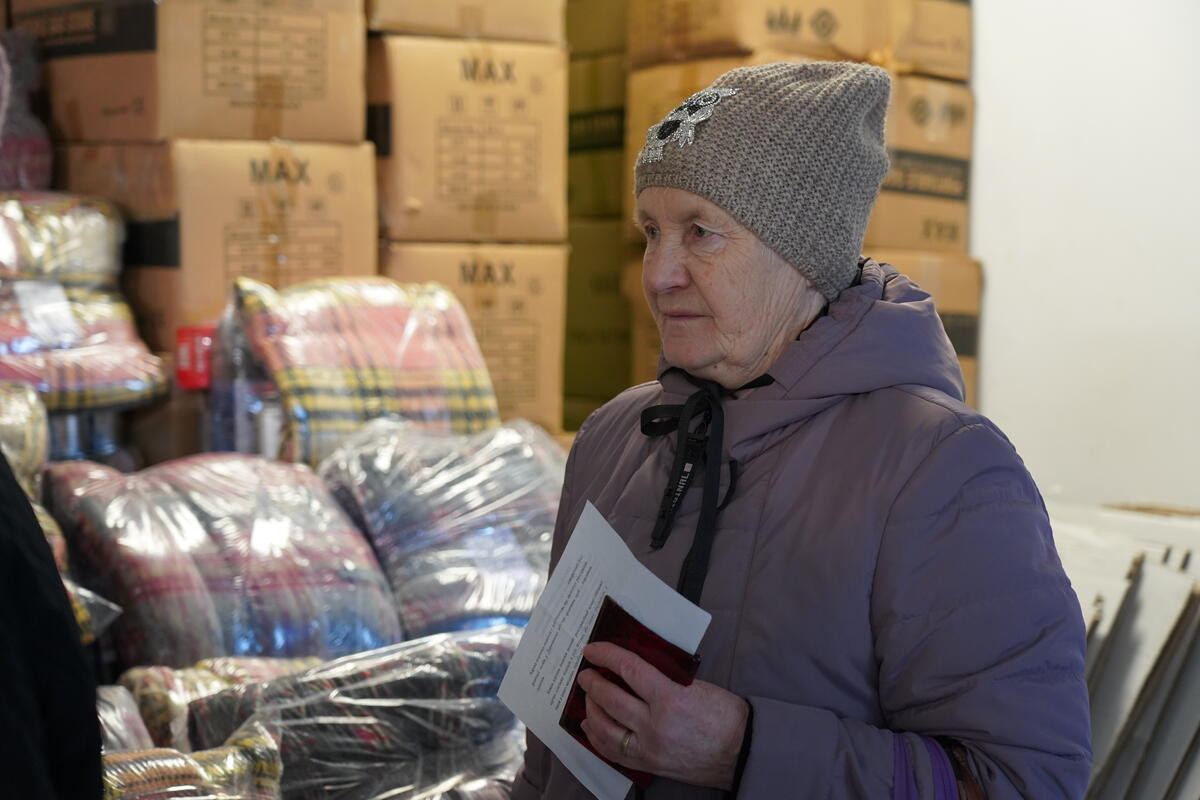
<point x="889" y="616"/>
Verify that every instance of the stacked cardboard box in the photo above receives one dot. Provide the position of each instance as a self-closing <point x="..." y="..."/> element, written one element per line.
<point x="679" y="47"/>
<point x="231" y="134"/>
<point x="467" y="110"/>
<point x="598" y="314"/>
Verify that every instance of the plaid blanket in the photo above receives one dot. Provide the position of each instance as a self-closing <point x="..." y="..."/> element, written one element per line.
<point x="247" y="768"/>
<point x="162" y="694"/>
<point x="64" y="329"/>
<point x="23" y="437"/>
<point x="121" y="726"/>
<point x="413" y="715"/>
<point x="461" y="524"/>
<point x="343" y="351"/>
<point x="216" y="555"/>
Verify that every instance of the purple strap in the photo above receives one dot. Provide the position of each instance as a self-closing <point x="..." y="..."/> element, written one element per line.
<point x="904" y="782"/>
<point x="945" y="787"/>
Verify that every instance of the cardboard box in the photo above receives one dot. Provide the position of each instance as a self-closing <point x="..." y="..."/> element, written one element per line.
<point x="923" y="204"/>
<point x="140" y="70"/>
<point x="201" y="213"/>
<point x="596" y="26"/>
<point x="596" y="136"/>
<point x="471" y="138"/>
<point x="925" y="36"/>
<point x="645" y="347"/>
<point x="956" y="284"/>
<point x="598" y="315"/>
<point x="515" y="296"/>
<point x="172" y="427"/>
<point x="515" y="20"/>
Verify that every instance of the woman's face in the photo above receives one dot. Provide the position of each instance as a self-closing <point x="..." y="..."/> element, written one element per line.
<point x="725" y="303"/>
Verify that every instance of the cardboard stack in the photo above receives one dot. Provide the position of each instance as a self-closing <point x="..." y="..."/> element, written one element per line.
<point x="677" y="47"/>
<point x="598" y="314"/>
<point x="230" y="133"/>
<point x="467" y="110"/>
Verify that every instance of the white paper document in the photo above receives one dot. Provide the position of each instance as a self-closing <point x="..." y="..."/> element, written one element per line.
<point x="596" y="563"/>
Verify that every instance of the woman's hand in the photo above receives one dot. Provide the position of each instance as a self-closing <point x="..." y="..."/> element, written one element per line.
<point x="691" y="734"/>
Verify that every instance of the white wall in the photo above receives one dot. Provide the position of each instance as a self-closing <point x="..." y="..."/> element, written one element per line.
<point x="1086" y="216"/>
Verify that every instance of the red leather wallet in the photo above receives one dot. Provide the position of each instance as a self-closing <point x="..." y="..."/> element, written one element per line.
<point x="616" y="625"/>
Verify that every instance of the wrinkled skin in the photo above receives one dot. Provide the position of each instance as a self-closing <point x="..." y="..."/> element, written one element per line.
<point x="725" y="303"/>
<point x="691" y="734"/>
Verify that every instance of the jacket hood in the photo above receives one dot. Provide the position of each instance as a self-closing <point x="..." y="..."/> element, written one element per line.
<point x="881" y="332"/>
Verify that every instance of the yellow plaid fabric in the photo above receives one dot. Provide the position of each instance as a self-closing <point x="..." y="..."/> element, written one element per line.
<point x="344" y="351"/>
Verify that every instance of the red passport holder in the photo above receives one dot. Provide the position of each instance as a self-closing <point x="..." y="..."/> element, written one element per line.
<point x="616" y="625"/>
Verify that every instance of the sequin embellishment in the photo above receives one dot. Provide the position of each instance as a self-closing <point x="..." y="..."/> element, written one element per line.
<point x="680" y="125"/>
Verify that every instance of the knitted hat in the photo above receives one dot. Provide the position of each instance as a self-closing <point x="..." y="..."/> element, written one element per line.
<point x="794" y="152"/>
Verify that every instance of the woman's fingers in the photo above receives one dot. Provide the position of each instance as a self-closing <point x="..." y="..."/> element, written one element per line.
<point x="606" y="734"/>
<point x="619" y="704"/>
<point x="646" y="681"/>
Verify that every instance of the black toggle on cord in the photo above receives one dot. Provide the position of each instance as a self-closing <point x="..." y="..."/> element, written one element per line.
<point x="699" y="428"/>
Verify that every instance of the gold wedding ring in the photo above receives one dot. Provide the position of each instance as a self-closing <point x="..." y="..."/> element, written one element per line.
<point x="625" y="742"/>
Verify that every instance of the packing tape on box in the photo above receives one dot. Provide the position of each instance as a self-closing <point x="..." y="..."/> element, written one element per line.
<point x="470" y="21"/>
<point x="268" y="106"/>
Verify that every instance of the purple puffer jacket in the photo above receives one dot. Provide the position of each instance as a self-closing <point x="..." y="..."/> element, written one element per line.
<point x="884" y="573"/>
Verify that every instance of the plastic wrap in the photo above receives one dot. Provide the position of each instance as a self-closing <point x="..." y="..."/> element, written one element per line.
<point x="342" y="351"/>
<point x="64" y="329"/>
<point x="162" y="694"/>
<point x="461" y="524"/>
<point x="223" y="554"/>
<point x="380" y="724"/>
<point x="23" y="434"/>
<point x="245" y="768"/>
<point x="121" y="726"/>
<point x="25" y="152"/>
<point x="92" y="612"/>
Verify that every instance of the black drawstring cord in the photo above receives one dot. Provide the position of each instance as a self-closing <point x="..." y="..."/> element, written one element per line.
<point x="696" y="444"/>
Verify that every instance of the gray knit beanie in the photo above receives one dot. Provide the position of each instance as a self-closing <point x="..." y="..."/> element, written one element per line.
<point x="794" y="152"/>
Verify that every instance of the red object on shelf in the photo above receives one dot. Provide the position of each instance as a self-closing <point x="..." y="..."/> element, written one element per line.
<point x="193" y="356"/>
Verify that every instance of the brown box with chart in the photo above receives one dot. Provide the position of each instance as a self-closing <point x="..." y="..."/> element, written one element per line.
<point x="201" y="213"/>
<point x="514" y="20"/>
<point x="924" y="36"/>
<point x="515" y="296"/>
<point x="923" y="202"/>
<point x="144" y="70"/>
<point x="471" y="138"/>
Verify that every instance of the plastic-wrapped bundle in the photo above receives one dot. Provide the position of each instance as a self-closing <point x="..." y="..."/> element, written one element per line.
<point x="92" y="612"/>
<point x="411" y="715"/>
<point x="23" y="434"/>
<point x="343" y="351"/>
<point x="223" y="554"/>
<point x="162" y="694"/>
<point x="64" y="329"/>
<point x="462" y="524"/>
<point x="121" y="726"/>
<point x="245" y="768"/>
<point x="25" y="153"/>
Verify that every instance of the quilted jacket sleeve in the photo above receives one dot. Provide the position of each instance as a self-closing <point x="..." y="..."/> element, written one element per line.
<point x="979" y="639"/>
